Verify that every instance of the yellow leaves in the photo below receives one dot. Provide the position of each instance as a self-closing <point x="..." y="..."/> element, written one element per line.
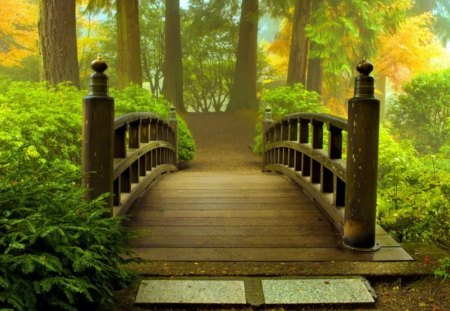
<point x="278" y="50"/>
<point x="18" y="31"/>
<point x="412" y="49"/>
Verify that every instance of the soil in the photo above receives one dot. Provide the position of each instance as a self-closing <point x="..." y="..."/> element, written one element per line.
<point x="399" y="286"/>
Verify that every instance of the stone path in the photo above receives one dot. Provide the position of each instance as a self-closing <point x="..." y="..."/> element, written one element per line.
<point x="256" y="292"/>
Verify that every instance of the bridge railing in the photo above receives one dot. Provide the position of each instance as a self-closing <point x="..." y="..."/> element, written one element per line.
<point x="144" y="149"/>
<point x="294" y="146"/>
<point x="124" y="156"/>
<point x="345" y="188"/>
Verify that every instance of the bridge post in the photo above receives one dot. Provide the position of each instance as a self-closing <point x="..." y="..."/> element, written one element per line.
<point x="362" y="163"/>
<point x="98" y="128"/>
<point x="174" y="140"/>
<point x="267" y="123"/>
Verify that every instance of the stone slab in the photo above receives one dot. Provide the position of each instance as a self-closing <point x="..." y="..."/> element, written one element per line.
<point x="191" y="292"/>
<point x="317" y="291"/>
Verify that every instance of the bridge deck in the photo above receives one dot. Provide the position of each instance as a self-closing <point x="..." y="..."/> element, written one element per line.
<point x="248" y="216"/>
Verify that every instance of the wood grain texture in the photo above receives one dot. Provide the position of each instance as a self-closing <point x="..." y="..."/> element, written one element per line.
<point x="239" y="217"/>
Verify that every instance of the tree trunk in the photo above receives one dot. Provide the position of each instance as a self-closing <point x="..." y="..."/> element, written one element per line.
<point x="298" y="56"/>
<point x="173" y="64"/>
<point x="58" y="41"/>
<point x="243" y="90"/>
<point x="314" y="80"/>
<point x="129" y="68"/>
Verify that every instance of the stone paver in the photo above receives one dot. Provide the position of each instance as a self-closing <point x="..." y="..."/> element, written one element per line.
<point x="317" y="291"/>
<point x="191" y="292"/>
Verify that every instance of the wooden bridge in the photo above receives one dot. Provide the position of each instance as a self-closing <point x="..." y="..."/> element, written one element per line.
<point x="312" y="199"/>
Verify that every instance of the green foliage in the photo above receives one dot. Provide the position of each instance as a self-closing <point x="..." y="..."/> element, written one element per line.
<point x="134" y="98"/>
<point x="413" y="194"/>
<point x="443" y="271"/>
<point x="46" y="122"/>
<point x="41" y="121"/>
<point x="209" y="32"/>
<point x="57" y="252"/>
<point x="286" y="100"/>
<point x="422" y="111"/>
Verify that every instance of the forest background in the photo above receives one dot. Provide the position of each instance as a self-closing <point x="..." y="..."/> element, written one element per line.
<point x="206" y="56"/>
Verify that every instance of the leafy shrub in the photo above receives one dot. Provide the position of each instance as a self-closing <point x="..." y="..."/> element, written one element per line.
<point x="57" y="251"/>
<point x="421" y="112"/>
<point x="413" y="194"/>
<point x="134" y="98"/>
<point x="443" y="271"/>
<point x="286" y="100"/>
<point x="36" y="113"/>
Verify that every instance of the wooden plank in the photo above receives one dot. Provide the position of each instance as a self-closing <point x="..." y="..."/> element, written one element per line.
<point x="149" y="213"/>
<point x="226" y="193"/>
<point x="269" y="254"/>
<point x="314" y="229"/>
<point x="233" y="241"/>
<point x="303" y="205"/>
<point x="227" y="200"/>
<point x="158" y="221"/>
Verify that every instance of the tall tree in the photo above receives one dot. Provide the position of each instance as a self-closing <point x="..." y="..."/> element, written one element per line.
<point x="58" y="41"/>
<point x="315" y="72"/>
<point x="243" y="91"/>
<point x="298" y="56"/>
<point x="173" y="64"/>
<point x="129" y="68"/>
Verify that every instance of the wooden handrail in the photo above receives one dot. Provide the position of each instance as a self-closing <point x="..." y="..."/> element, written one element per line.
<point x="123" y="156"/>
<point x="290" y="150"/>
<point x="345" y="189"/>
<point x="140" y="157"/>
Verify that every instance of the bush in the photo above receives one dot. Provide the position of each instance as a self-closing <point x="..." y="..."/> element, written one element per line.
<point x="56" y="250"/>
<point x="35" y="113"/>
<point x="413" y="194"/>
<point x="134" y="98"/>
<point x="286" y="100"/>
<point x="421" y="112"/>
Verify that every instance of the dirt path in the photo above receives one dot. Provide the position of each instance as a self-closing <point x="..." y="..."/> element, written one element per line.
<point x="223" y="141"/>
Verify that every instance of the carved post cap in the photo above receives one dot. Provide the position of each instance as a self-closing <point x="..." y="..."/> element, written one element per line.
<point x="364" y="83"/>
<point x="98" y="84"/>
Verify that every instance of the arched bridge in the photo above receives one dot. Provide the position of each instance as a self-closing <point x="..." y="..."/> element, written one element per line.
<point x="313" y="200"/>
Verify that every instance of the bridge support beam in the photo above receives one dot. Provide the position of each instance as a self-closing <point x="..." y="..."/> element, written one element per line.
<point x="98" y="141"/>
<point x="362" y="163"/>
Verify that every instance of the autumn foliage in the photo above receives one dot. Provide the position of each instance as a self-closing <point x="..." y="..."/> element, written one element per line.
<point x="18" y="32"/>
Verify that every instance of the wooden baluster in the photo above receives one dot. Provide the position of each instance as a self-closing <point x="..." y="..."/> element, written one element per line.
<point x="145" y="131"/>
<point x="133" y="134"/>
<point x="304" y="131"/>
<point x="125" y="181"/>
<point x="339" y="194"/>
<point x="304" y="139"/>
<point x="334" y="142"/>
<point x="293" y="133"/>
<point x="317" y="143"/>
<point x="98" y="126"/>
<point x="362" y="162"/>
<point x="153" y="129"/>
<point x="120" y="142"/>
<point x="134" y="173"/>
